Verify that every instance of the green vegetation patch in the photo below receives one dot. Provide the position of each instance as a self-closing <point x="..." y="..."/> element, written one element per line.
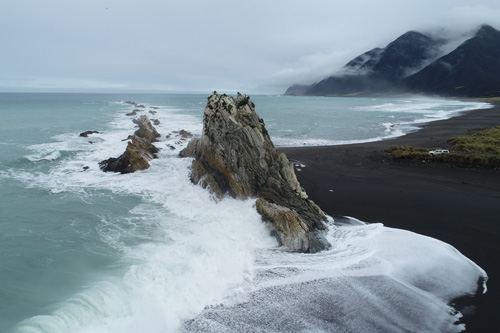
<point x="264" y="130"/>
<point x="263" y="127"/>
<point x="479" y="149"/>
<point x="409" y="152"/>
<point x="243" y="102"/>
<point x="482" y="142"/>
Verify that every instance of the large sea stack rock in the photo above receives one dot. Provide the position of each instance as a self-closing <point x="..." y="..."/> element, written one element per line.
<point x="139" y="152"/>
<point x="236" y="156"/>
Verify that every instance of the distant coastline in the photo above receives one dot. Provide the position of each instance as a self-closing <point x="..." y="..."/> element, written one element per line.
<point x="399" y="129"/>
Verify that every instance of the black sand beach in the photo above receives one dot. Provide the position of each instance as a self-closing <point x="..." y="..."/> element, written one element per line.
<point x="459" y="206"/>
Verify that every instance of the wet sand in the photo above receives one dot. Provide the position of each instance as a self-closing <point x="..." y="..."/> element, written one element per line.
<point x="460" y="206"/>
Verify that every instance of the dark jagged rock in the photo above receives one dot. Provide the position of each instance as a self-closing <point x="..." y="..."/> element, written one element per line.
<point x="139" y="151"/>
<point x="236" y="156"/>
<point x="133" y="112"/>
<point x="87" y="133"/>
<point x="185" y="134"/>
<point x="182" y="133"/>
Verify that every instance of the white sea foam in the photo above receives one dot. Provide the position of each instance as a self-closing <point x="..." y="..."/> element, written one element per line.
<point x="193" y="251"/>
<point x="373" y="279"/>
<point x="181" y="262"/>
<point x="384" y="121"/>
<point x="430" y="109"/>
<point x="184" y="254"/>
<point x="47" y="157"/>
<point x="391" y="131"/>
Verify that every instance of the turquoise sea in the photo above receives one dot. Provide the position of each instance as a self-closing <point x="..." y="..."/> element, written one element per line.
<point x="86" y="251"/>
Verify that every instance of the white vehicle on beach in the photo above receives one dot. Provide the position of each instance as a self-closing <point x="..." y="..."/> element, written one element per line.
<point x="439" y="151"/>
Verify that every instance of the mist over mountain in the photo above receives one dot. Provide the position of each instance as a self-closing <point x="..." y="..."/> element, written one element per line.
<point x="472" y="69"/>
<point x="414" y="63"/>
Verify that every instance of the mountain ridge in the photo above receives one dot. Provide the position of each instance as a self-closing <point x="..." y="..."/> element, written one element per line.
<point x="471" y="70"/>
<point x="412" y="63"/>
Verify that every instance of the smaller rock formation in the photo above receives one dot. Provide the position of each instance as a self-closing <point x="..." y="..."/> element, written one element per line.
<point x="87" y="133"/>
<point x="236" y="156"/>
<point x="185" y="134"/>
<point x="139" y="151"/>
<point x="146" y="129"/>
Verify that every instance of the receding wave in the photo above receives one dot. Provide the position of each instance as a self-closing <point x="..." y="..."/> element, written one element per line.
<point x="374" y="121"/>
<point x="47" y="157"/>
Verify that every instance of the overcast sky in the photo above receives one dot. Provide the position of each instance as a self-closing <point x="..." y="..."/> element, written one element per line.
<point x="201" y="46"/>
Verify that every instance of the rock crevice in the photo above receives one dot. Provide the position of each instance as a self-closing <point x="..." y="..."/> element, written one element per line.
<point x="235" y="156"/>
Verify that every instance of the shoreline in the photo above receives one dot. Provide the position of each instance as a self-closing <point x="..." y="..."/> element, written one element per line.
<point x="459" y="206"/>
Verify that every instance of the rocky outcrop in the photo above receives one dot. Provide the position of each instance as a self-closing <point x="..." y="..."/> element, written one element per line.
<point x="235" y="156"/>
<point x="146" y="129"/>
<point x="140" y="150"/>
<point x="87" y="133"/>
<point x="133" y="113"/>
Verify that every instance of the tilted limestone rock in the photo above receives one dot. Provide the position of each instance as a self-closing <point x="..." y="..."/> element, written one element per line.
<point x="236" y="156"/>
<point x="139" y="151"/>
<point x="146" y="129"/>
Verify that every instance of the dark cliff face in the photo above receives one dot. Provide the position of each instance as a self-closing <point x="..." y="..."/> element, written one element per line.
<point x="471" y="70"/>
<point x="235" y="156"/>
<point x="378" y="69"/>
<point x="407" y="53"/>
<point x="409" y="64"/>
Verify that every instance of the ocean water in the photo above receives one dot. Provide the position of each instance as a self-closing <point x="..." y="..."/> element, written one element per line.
<point x="86" y="251"/>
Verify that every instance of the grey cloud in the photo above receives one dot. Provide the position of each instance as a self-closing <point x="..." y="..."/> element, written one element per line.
<point x="258" y="46"/>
